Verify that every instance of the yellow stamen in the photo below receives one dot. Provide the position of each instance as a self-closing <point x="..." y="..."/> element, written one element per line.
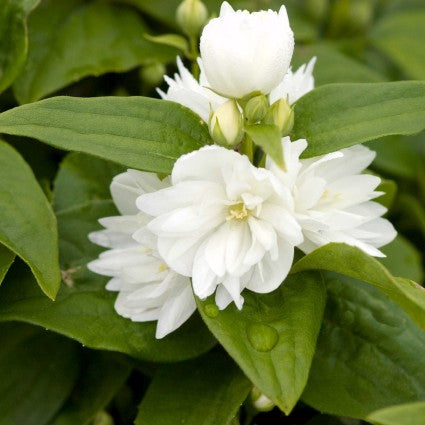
<point x="237" y="212"/>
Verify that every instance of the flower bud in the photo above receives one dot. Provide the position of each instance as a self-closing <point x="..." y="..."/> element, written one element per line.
<point x="226" y="124"/>
<point x="256" y="108"/>
<point x="261" y="402"/>
<point x="230" y="43"/>
<point x="153" y="74"/>
<point x="192" y="15"/>
<point x="281" y="115"/>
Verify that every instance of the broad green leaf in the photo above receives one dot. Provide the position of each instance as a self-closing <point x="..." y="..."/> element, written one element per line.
<point x="38" y="370"/>
<point x="336" y="116"/>
<point x="173" y="40"/>
<point x="403" y="259"/>
<point x="401" y="37"/>
<point x="332" y="66"/>
<point x="273" y="337"/>
<point x="205" y="391"/>
<point x="84" y="309"/>
<point x="27" y="223"/>
<point x="403" y="414"/>
<point x="13" y="38"/>
<point x="397" y="156"/>
<point x="102" y="374"/>
<point x="138" y="132"/>
<point x="85" y="312"/>
<point x="89" y="39"/>
<point x="353" y="262"/>
<point x="6" y="260"/>
<point x="83" y="178"/>
<point x="369" y="353"/>
<point x="269" y="139"/>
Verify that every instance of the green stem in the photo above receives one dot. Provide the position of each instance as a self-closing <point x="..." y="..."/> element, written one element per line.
<point x="247" y="147"/>
<point x="194" y="53"/>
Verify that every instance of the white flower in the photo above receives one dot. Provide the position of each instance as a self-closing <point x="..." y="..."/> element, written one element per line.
<point x="148" y="289"/>
<point x="245" y="52"/>
<point x="333" y="199"/>
<point x="225" y="223"/>
<point x="295" y="84"/>
<point x="187" y="91"/>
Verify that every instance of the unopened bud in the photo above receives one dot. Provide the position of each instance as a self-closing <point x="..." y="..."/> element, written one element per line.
<point x="282" y="115"/>
<point x="226" y="124"/>
<point x="261" y="402"/>
<point x="153" y="74"/>
<point x="192" y="15"/>
<point x="256" y="108"/>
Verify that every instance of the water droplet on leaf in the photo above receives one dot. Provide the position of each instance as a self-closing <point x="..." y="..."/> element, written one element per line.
<point x="211" y="310"/>
<point x="262" y="337"/>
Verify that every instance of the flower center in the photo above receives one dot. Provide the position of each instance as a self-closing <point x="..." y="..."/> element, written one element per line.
<point x="162" y="268"/>
<point x="237" y="212"/>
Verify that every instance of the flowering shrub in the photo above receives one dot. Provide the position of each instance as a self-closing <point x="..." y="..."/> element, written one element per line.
<point x="212" y="213"/>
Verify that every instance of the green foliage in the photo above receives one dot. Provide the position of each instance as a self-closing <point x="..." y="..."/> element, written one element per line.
<point x="6" y="260"/>
<point x="89" y="38"/>
<point x="26" y="211"/>
<point x="205" y="391"/>
<point x="31" y="361"/>
<point x="367" y="353"/>
<point x="353" y="262"/>
<point x="101" y="376"/>
<point x="138" y="132"/>
<point x="13" y="38"/>
<point x="273" y="337"/>
<point x="411" y="413"/>
<point x="269" y="139"/>
<point x="401" y="37"/>
<point x="336" y="116"/>
<point x="344" y="333"/>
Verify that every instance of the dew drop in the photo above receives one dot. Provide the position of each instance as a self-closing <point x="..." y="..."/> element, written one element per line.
<point x="211" y="310"/>
<point x="262" y="337"/>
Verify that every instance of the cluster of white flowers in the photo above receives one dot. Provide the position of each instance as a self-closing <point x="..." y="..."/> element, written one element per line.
<point x="219" y="224"/>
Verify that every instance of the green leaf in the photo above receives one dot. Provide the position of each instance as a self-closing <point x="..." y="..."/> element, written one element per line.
<point x="27" y="223"/>
<point x="173" y="40"/>
<point x="38" y="371"/>
<point x="85" y="312"/>
<point x="205" y="391"/>
<point x="368" y="353"/>
<point x="83" y="178"/>
<point x="396" y="155"/>
<point x="332" y="66"/>
<point x="89" y="38"/>
<point x="6" y="260"/>
<point x="268" y="137"/>
<point x="13" y="38"/>
<point x="273" y="337"/>
<point x="410" y="413"/>
<point x="336" y="116"/>
<point x="101" y="377"/>
<point x="138" y="132"/>
<point x="353" y="262"/>
<point x="401" y="37"/>
<point x="403" y="259"/>
<point x="84" y="309"/>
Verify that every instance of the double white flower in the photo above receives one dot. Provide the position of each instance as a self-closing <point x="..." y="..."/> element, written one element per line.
<point x="241" y="53"/>
<point x="148" y="289"/>
<point x="225" y="223"/>
<point x="332" y="198"/>
<point x="220" y="220"/>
